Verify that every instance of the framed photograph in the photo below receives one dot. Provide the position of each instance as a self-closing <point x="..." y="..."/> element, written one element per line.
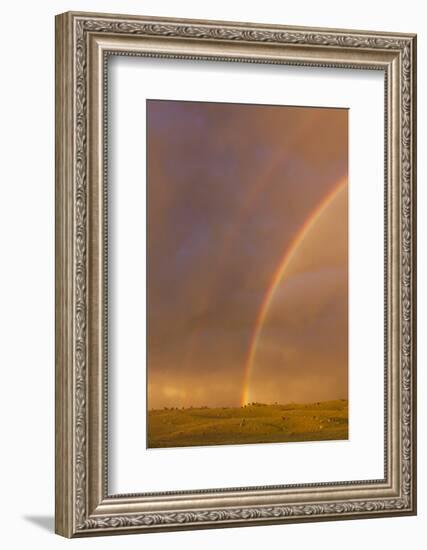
<point x="235" y="274"/>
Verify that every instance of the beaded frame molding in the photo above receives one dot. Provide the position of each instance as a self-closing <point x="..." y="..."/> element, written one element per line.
<point x="84" y="42"/>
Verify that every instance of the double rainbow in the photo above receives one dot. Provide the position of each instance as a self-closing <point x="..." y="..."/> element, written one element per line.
<point x="275" y="281"/>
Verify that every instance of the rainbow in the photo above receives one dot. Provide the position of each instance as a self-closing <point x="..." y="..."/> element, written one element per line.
<point x="277" y="277"/>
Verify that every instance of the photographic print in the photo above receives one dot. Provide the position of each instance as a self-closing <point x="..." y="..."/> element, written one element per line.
<point x="247" y="265"/>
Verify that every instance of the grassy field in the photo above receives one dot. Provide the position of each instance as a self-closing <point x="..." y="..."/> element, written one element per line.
<point x="255" y="423"/>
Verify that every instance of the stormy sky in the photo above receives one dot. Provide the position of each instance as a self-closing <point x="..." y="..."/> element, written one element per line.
<point x="229" y="187"/>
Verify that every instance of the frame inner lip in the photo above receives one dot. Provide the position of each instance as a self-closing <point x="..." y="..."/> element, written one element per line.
<point x="318" y="487"/>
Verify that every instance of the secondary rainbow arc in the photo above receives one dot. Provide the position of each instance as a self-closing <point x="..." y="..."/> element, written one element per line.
<point x="277" y="278"/>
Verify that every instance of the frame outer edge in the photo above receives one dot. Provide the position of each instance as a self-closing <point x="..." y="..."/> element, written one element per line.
<point x="64" y="237"/>
<point x="231" y="23"/>
<point x="414" y="99"/>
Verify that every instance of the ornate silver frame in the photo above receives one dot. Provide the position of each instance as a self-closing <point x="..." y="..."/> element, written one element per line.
<point x="83" y="43"/>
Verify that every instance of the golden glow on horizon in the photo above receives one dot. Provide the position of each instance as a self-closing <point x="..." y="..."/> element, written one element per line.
<point x="275" y="281"/>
